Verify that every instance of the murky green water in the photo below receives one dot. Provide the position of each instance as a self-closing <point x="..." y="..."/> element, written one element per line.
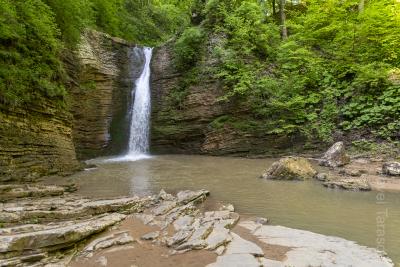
<point x="307" y="205"/>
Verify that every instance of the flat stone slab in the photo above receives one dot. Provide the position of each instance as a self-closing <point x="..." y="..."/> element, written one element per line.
<point x="187" y="196"/>
<point x="311" y="249"/>
<point x="348" y="183"/>
<point x="219" y="236"/>
<point x="239" y="245"/>
<point x="236" y="260"/>
<point x="14" y="191"/>
<point x="65" y="208"/>
<point x="58" y="236"/>
<point x="116" y="239"/>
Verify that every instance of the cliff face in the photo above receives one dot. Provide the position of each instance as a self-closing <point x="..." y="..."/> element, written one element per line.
<point x="101" y="94"/>
<point x="35" y="141"/>
<point x="192" y="119"/>
<point x="47" y="138"/>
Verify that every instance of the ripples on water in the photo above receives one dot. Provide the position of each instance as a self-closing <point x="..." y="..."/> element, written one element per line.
<point x="304" y="205"/>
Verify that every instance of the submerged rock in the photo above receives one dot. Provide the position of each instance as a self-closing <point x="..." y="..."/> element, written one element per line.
<point x="348" y="183"/>
<point x="335" y="156"/>
<point x="321" y="176"/>
<point x="391" y="168"/>
<point x="151" y="235"/>
<point x="290" y="168"/>
<point x="263" y="221"/>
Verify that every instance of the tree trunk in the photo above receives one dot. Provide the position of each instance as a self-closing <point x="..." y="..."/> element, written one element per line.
<point x="284" y="34"/>
<point x="273" y="7"/>
<point x="361" y="5"/>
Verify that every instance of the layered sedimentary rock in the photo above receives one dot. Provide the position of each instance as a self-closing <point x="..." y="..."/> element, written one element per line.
<point x="101" y="93"/>
<point x="188" y="116"/>
<point x="48" y="136"/>
<point x="35" y="140"/>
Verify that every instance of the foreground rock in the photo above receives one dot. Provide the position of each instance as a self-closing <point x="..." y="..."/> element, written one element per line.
<point x="64" y="208"/>
<point x="60" y="235"/>
<point x="391" y="168"/>
<point x="311" y="249"/>
<point x="290" y="168"/>
<point x="335" y="156"/>
<point x="171" y="226"/>
<point x="13" y="191"/>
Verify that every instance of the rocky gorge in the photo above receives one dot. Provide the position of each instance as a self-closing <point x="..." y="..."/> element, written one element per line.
<point x="50" y="226"/>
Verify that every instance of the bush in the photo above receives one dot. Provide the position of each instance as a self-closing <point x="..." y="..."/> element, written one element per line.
<point x="29" y="52"/>
<point x="188" y="48"/>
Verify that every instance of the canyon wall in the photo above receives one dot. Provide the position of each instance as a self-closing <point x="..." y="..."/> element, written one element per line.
<point x="101" y="94"/>
<point x="49" y="136"/>
<point x="35" y="141"/>
<point x="189" y="117"/>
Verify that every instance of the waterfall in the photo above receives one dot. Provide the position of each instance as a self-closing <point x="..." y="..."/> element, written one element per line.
<point x="140" y="112"/>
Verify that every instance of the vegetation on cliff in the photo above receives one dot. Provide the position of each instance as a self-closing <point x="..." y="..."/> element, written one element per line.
<point x="35" y="33"/>
<point x="310" y="67"/>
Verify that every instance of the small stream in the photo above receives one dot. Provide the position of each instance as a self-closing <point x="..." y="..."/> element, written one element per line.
<point x="303" y="205"/>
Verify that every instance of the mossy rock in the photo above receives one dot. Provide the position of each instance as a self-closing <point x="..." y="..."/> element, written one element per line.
<point x="290" y="168"/>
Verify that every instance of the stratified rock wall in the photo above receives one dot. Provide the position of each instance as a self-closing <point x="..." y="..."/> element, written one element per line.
<point x="191" y="120"/>
<point x="47" y="137"/>
<point x="175" y="128"/>
<point x="35" y="141"/>
<point x="101" y="96"/>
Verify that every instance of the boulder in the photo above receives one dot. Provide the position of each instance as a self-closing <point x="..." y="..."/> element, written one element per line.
<point x="187" y="196"/>
<point x="335" y="156"/>
<point x="391" y="168"/>
<point x="321" y="176"/>
<point x="348" y="183"/>
<point x="290" y="168"/>
<point x="261" y="220"/>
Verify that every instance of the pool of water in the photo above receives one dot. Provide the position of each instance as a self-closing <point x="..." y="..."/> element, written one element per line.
<point x="357" y="216"/>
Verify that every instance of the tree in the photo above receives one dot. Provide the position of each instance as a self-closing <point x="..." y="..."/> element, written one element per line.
<point x="284" y="33"/>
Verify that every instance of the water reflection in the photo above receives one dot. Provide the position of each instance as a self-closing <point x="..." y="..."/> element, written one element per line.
<point x="139" y="179"/>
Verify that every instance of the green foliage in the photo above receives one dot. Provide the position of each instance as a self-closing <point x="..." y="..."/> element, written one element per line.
<point x="29" y="50"/>
<point x="371" y="147"/>
<point x="34" y="33"/>
<point x="332" y="73"/>
<point x="337" y="70"/>
<point x="188" y="48"/>
<point x="71" y="17"/>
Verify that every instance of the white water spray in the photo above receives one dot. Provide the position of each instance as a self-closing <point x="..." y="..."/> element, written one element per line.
<point x="140" y="120"/>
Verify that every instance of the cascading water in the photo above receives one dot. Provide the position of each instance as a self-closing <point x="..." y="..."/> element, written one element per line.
<point x="140" y="113"/>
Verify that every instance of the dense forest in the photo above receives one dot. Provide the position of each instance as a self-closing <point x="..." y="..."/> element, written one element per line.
<point x="308" y="67"/>
<point x="34" y="34"/>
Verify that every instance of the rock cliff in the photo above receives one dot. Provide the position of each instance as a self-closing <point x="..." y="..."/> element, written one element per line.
<point x="48" y="137"/>
<point x="101" y="94"/>
<point x="35" y="141"/>
<point x="188" y="116"/>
